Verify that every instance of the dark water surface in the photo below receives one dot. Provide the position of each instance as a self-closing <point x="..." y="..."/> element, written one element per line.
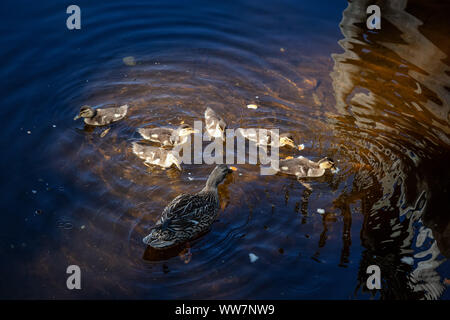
<point x="375" y="101"/>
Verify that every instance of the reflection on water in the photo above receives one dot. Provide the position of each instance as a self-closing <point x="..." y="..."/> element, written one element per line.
<point x="379" y="107"/>
<point x="392" y="96"/>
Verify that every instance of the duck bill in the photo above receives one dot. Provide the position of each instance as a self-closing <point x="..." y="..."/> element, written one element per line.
<point x="231" y="169"/>
<point x="77" y="117"/>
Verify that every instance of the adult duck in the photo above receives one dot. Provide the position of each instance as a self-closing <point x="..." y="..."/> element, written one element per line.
<point x="188" y="215"/>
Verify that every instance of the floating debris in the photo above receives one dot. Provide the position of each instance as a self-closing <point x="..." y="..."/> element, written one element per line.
<point x="82" y="227"/>
<point x="233" y="168"/>
<point x="54" y="126"/>
<point x="129" y="61"/>
<point x="282" y="49"/>
<point x="407" y="260"/>
<point x="301" y="146"/>
<point x="252" y="106"/>
<point x="104" y="133"/>
<point x="253" y="257"/>
<point x="447" y="282"/>
<point x="38" y="212"/>
<point x="33" y="191"/>
<point x="29" y="132"/>
<point x="320" y="211"/>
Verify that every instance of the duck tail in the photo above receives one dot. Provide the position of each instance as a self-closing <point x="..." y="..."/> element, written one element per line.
<point x="143" y="133"/>
<point x="138" y="149"/>
<point x="157" y="243"/>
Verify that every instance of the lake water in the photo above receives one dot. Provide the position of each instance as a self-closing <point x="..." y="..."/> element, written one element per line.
<point x="377" y="102"/>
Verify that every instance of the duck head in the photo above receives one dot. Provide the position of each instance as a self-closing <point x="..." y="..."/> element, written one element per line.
<point x="185" y="130"/>
<point x="218" y="175"/>
<point x="85" y="112"/>
<point x="326" y="163"/>
<point x="286" y="139"/>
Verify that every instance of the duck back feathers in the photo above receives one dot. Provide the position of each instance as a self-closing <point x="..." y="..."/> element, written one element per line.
<point x="105" y="116"/>
<point x="184" y="218"/>
<point x="301" y="167"/>
<point x="159" y="135"/>
<point x="188" y="215"/>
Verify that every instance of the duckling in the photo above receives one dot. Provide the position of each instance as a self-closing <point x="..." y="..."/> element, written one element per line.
<point x="285" y="139"/>
<point x="188" y="215"/>
<point x="102" y="116"/>
<point x="167" y="137"/>
<point x="302" y="167"/>
<point x="215" y="125"/>
<point x="156" y="156"/>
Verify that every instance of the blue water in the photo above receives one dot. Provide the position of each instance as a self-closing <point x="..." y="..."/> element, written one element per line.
<point x="69" y="196"/>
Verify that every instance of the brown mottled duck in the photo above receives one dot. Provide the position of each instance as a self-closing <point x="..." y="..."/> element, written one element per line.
<point x="188" y="215"/>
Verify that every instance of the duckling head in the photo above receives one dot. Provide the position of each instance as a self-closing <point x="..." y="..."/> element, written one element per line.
<point x="218" y="175"/>
<point x="287" y="140"/>
<point x="185" y="130"/>
<point x="85" y="112"/>
<point x="326" y="163"/>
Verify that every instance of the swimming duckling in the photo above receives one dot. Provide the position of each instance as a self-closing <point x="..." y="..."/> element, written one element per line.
<point x="285" y="139"/>
<point x="215" y="126"/>
<point x="156" y="156"/>
<point x="102" y="116"/>
<point x="188" y="215"/>
<point x="302" y="167"/>
<point x="167" y="136"/>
